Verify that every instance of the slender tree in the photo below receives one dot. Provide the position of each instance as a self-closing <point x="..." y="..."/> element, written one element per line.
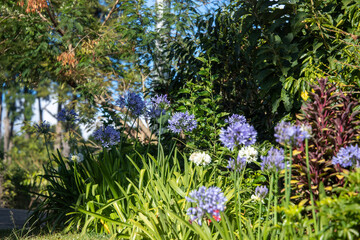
<point x="1" y="110"/>
<point x="162" y="29"/>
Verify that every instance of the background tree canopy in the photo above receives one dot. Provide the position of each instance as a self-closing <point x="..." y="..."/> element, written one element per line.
<point x="263" y="54"/>
<point x="268" y="52"/>
<point x="206" y="79"/>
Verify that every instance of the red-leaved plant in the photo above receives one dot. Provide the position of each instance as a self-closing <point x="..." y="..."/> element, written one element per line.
<point x="334" y="122"/>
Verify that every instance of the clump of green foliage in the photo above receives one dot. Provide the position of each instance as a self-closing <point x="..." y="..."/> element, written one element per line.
<point x="340" y="212"/>
<point x="21" y="175"/>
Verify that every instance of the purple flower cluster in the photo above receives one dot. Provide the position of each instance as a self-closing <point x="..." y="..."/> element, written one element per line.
<point x="348" y="156"/>
<point x="66" y="115"/>
<point x="288" y="134"/>
<point x="274" y="161"/>
<point x="43" y="127"/>
<point x="236" y="118"/>
<point x="237" y="133"/>
<point x="133" y="102"/>
<point x="209" y="200"/>
<point x="160" y="101"/>
<point x="260" y="193"/>
<point x="238" y="165"/>
<point x="182" y="122"/>
<point x="158" y="107"/>
<point x="107" y="136"/>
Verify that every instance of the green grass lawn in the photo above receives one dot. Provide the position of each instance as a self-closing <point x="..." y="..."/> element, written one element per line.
<point x="70" y="236"/>
<point x="11" y="235"/>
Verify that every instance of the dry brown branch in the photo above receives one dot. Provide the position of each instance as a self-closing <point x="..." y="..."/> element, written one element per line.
<point x="43" y="18"/>
<point x="111" y="11"/>
<point x="55" y="23"/>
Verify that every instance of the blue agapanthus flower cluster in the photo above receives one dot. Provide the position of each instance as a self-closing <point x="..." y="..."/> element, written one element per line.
<point x="43" y="127"/>
<point x="274" y="161"/>
<point x="182" y="122"/>
<point x="236" y="118"/>
<point x="208" y="200"/>
<point x="108" y="136"/>
<point x="66" y="115"/>
<point x="160" y="101"/>
<point x="237" y="165"/>
<point x="288" y="134"/>
<point x="237" y="133"/>
<point x="159" y="105"/>
<point x="348" y="156"/>
<point x="133" y="102"/>
<point x="261" y="191"/>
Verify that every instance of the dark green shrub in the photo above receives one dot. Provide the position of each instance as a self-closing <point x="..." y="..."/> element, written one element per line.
<point x="200" y="99"/>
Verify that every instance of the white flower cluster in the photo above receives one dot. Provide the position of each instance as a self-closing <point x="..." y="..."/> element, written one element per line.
<point x="76" y="157"/>
<point x="249" y="153"/>
<point x="200" y="158"/>
<point x="256" y="198"/>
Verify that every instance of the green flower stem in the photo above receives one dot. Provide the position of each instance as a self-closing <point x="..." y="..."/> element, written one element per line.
<point x="124" y="128"/>
<point x="289" y="181"/>
<point x="259" y="226"/>
<point x="126" y="117"/>
<point x="137" y="132"/>
<point x="76" y="176"/>
<point x="47" y="148"/>
<point x="237" y="211"/>
<point x="195" y="174"/>
<point x="309" y="183"/>
<point x="237" y="183"/>
<point x="270" y="195"/>
<point x="148" y="146"/>
<point x="72" y="139"/>
<point x="286" y="177"/>
<point x="239" y="199"/>
<point x="160" y="125"/>
<point x="276" y="200"/>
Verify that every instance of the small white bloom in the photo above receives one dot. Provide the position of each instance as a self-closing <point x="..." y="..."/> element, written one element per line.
<point x="249" y="153"/>
<point x="76" y="157"/>
<point x="200" y="158"/>
<point x="287" y="164"/>
<point x="256" y="198"/>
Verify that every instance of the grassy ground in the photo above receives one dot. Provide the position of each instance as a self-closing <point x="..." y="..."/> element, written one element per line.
<point x="5" y="233"/>
<point x="70" y="236"/>
<point x="15" y="235"/>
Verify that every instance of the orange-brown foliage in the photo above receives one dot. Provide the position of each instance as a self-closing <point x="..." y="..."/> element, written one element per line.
<point x="33" y="5"/>
<point x="68" y="58"/>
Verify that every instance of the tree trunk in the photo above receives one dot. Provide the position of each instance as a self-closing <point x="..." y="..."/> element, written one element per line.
<point x="11" y="143"/>
<point x="26" y="134"/>
<point x="58" y="135"/>
<point x="40" y="110"/>
<point x="66" y="147"/>
<point x="161" y="66"/>
<point x="1" y="191"/>
<point x="1" y="101"/>
<point x="7" y="135"/>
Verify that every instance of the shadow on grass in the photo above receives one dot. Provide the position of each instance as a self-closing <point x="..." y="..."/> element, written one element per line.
<point x="4" y="234"/>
